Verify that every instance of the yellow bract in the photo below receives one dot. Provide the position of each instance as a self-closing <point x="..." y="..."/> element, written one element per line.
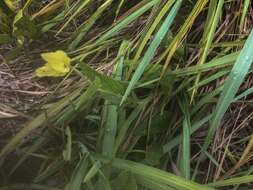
<point x="57" y="64"/>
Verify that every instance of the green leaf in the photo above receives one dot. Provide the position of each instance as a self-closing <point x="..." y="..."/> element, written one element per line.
<point x="184" y="156"/>
<point x="92" y="172"/>
<point x="67" y="151"/>
<point x="125" y="181"/>
<point x="106" y="83"/>
<point x="154" y="174"/>
<point x="78" y="174"/>
<point x="185" y="160"/>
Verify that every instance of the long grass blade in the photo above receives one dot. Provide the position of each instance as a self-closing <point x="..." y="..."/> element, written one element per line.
<point x="114" y="30"/>
<point x="154" y="174"/>
<point x="152" y="49"/>
<point x="206" y="48"/>
<point x="231" y="86"/>
<point x="232" y="181"/>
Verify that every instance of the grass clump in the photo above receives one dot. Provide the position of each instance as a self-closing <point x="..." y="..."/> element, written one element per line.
<point x="156" y="94"/>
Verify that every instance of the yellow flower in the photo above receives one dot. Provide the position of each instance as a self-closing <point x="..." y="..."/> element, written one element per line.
<point x="57" y="64"/>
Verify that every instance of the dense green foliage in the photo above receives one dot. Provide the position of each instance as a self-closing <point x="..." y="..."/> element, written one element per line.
<point x="152" y="82"/>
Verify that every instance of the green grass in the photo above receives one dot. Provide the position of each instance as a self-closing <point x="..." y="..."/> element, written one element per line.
<point x="159" y="95"/>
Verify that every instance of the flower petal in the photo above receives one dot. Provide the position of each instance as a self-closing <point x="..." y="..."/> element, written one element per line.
<point x="58" y="60"/>
<point x="48" y="71"/>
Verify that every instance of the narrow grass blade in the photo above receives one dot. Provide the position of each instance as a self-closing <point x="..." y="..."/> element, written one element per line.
<point x="92" y="172"/>
<point x="87" y="25"/>
<point x="244" y="94"/>
<point x="199" y="6"/>
<point x="157" y="20"/>
<point x="244" y="12"/>
<point x="127" y="123"/>
<point x="34" y="147"/>
<point x="28" y="186"/>
<point x="80" y="6"/>
<point x="78" y="174"/>
<point x="37" y="122"/>
<point x="176" y="141"/>
<point x="111" y="110"/>
<point x="67" y="151"/>
<point x="118" y="8"/>
<point x="154" y="174"/>
<point x="208" y="43"/>
<point x="210" y="79"/>
<point x="110" y="129"/>
<point x="77" y="105"/>
<point x="152" y="49"/>
<point x="49" y="8"/>
<point x="113" y="31"/>
<point x="243" y="159"/>
<point x="232" y="181"/>
<point x="184" y="150"/>
<point x="185" y="160"/>
<point x="50" y="170"/>
<point x="206" y="99"/>
<point x="231" y="86"/>
<point x="221" y="62"/>
<point x="149" y="184"/>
